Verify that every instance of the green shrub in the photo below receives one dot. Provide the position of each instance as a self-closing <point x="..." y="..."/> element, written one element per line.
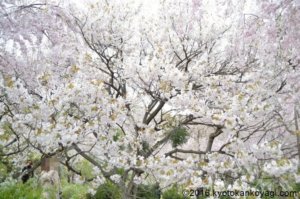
<point x="149" y="191"/>
<point x="17" y="190"/>
<point x="86" y="168"/>
<point x="296" y="187"/>
<point x="107" y="191"/>
<point x="173" y="193"/>
<point x="3" y="171"/>
<point x="74" y="191"/>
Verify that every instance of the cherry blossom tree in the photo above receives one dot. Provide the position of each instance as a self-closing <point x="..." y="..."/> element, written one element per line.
<point x="199" y="93"/>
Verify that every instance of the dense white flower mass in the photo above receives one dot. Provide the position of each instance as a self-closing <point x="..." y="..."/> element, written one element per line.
<point x="197" y="93"/>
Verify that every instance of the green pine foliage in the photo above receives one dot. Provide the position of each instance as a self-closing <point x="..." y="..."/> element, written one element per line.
<point x="179" y="136"/>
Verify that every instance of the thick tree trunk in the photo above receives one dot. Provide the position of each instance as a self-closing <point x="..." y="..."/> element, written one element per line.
<point x="297" y="135"/>
<point x="50" y="180"/>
